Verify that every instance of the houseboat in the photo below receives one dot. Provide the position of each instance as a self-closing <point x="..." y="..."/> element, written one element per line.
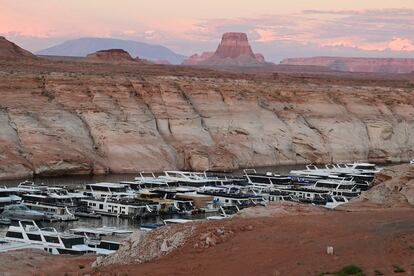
<point x="122" y="208"/>
<point x="28" y="234"/>
<point x="105" y="189"/>
<point x="227" y="197"/>
<point x="267" y="179"/>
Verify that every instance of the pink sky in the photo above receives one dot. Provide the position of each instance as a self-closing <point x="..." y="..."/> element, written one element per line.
<point x="351" y="27"/>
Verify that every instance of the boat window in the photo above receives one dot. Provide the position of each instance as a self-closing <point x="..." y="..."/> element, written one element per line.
<point x="365" y="167"/>
<point x="34" y="237"/>
<point x="14" y="223"/>
<point x="339" y="199"/>
<point x="15" y="235"/>
<point x="73" y="241"/>
<point x="52" y="239"/>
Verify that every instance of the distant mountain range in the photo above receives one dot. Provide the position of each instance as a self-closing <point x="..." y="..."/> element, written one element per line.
<point x="83" y="46"/>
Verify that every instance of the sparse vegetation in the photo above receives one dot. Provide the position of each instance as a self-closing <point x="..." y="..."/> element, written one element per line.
<point x="47" y="94"/>
<point x="378" y="273"/>
<point x="398" y="269"/>
<point x="350" y="270"/>
<point x="346" y="271"/>
<point x="81" y="266"/>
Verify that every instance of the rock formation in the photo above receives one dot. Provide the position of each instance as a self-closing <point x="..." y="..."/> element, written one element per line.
<point x="373" y="65"/>
<point x="196" y="58"/>
<point x="9" y="50"/>
<point x="393" y="186"/>
<point x="111" y="55"/>
<point x="234" y="50"/>
<point x="67" y="118"/>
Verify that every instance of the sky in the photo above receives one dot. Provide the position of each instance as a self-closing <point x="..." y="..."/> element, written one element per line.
<point x="277" y="29"/>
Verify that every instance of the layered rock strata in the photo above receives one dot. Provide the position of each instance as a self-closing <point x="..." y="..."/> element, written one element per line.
<point x="71" y="123"/>
<point x="373" y="65"/>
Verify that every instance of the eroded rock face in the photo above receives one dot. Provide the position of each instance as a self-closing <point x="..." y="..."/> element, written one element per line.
<point x="234" y="45"/>
<point x="111" y="55"/>
<point x="393" y="186"/>
<point x="60" y="123"/>
<point x="9" y="50"/>
<point x="234" y="50"/>
<point x="374" y="65"/>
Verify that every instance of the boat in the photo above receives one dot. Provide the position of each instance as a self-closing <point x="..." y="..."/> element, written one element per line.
<point x="231" y="196"/>
<point x="167" y="201"/>
<point x="105" y="189"/>
<point x="100" y="232"/>
<point x="28" y="234"/>
<point x="122" y="208"/>
<point x="177" y="221"/>
<point x="21" y="211"/>
<point x="306" y="195"/>
<point x="347" y="189"/>
<point x="335" y="201"/>
<point x="150" y="226"/>
<point x="7" y="197"/>
<point x="57" y="213"/>
<point x="267" y="179"/>
<point x="195" y="179"/>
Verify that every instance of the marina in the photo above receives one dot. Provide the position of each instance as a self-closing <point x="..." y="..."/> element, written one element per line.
<point x="151" y="200"/>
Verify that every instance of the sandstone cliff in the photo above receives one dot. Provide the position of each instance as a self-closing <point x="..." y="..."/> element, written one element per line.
<point x="111" y="55"/>
<point x="376" y="65"/>
<point x="234" y="50"/>
<point x="9" y="50"/>
<point x="74" y="117"/>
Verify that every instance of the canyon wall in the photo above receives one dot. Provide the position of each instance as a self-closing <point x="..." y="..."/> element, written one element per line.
<point x="72" y="123"/>
<point x="347" y="64"/>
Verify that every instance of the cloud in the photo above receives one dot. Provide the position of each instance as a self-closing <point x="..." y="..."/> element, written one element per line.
<point x="266" y="35"/>
<point x="380" y="32"/>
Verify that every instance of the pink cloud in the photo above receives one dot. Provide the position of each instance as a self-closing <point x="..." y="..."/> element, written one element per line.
<point x="266" y="35"/>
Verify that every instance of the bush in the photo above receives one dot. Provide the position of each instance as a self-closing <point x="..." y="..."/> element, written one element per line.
<point x="398" y="269"/>
<point x="350" y="270"/>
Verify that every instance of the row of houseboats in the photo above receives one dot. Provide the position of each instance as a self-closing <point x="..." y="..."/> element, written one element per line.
<point x="173" y="192"/>
<point x="178" y="192"/>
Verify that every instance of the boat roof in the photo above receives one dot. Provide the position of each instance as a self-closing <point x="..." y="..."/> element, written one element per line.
<point x="108" y="184"/>
<point x="177" y="220"/>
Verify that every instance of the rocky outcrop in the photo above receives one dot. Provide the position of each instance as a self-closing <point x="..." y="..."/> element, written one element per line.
<point x="90" y="118"/>
<point x="392" y="187"/>
<point x="373" y="65"/>
<point x="111" y="55"/>
<point x="196" y="58"/>
<point x="9" y="50"/>
<point x="234" y="50"/>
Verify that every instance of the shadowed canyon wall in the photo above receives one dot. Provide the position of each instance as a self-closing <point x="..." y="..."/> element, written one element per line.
<point x="58" y="123"/>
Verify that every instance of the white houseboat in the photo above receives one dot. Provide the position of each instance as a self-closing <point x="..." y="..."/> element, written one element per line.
<point x="27" y="234"/>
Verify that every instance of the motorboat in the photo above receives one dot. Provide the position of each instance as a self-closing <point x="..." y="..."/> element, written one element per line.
<point x="21" y="211"/>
